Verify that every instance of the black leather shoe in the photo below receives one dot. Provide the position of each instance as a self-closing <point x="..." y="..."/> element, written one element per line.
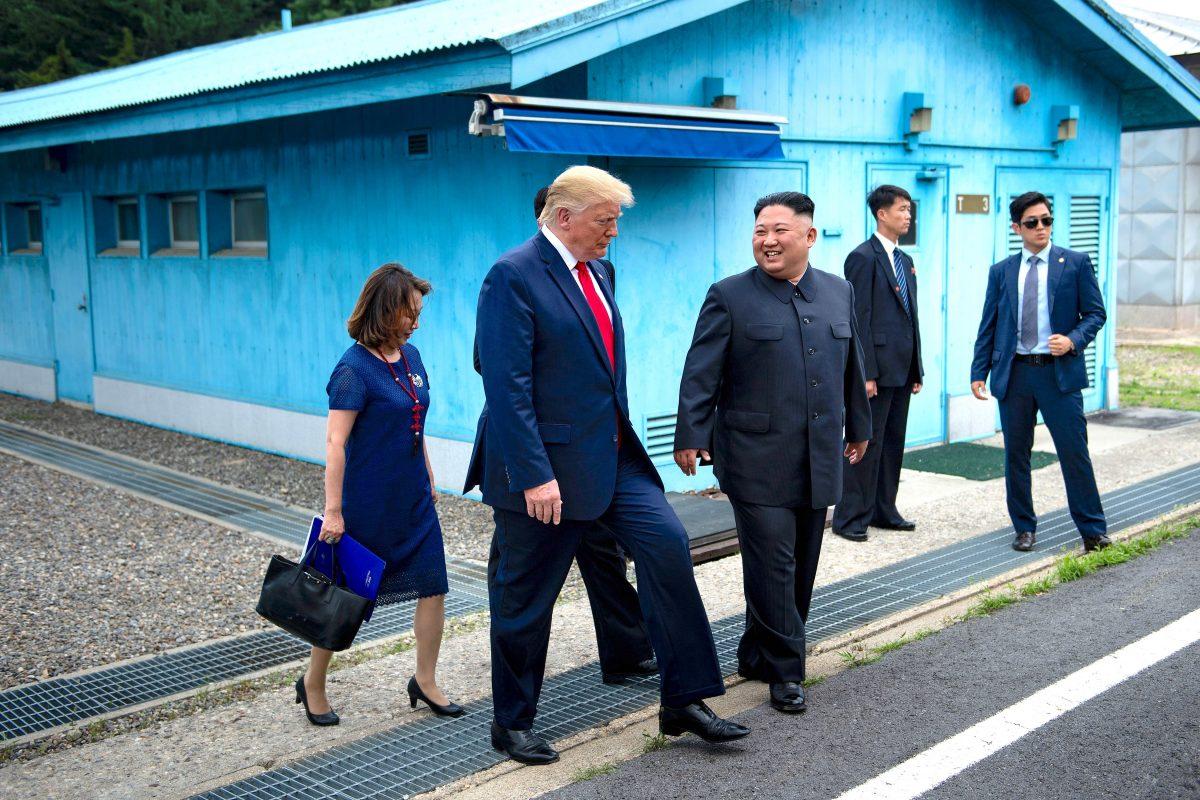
<point x="1025" y="541"/>
<point x="787" y="697"/>
<point x="854" y="536"/>
<point x="523" y="746"/>
<point x="647" y="667"/>
<point x="415" y="694"/>
<point x="902" y="525"/>
<point x="328" y="718"/>
<point x="699" y="719"/>
<point x="1096" y="543"/>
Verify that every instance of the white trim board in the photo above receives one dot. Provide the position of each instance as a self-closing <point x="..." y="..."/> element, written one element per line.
<point x="276" y="430"/>
<point x="30" y="380"/>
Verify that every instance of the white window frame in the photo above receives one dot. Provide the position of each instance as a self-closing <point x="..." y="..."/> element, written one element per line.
<point x="131" y="244"/>
<point x="248" y="244"/>
<point x="183" y="244"/>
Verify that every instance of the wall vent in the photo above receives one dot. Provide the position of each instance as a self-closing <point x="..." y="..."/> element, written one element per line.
<point x="660" y="437"/>
<point x="418" y="143"/>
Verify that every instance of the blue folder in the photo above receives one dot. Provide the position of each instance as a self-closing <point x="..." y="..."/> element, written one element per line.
<point x="362" y="568"/>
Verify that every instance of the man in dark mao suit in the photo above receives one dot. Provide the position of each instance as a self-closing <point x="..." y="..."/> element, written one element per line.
<point x="885" y="304"/>
<point x="773" y="375"/>
<point x="555" y="455"/>
<point x="1043" y="308"/>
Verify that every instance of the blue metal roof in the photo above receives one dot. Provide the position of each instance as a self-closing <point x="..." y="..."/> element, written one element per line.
<point x="335" y="44"/>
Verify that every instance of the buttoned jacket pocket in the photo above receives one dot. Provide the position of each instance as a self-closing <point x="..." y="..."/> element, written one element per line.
<point x="841" y="329"/>
<point x="764" y="331"/>
<point x="748" y="421"/>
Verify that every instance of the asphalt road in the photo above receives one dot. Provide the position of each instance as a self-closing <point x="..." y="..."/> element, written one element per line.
<point x="1139" y="739"/>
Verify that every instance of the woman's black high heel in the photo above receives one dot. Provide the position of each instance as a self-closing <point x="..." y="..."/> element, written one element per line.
<point x="328" y="718"/>
<point x="415" y="694"/>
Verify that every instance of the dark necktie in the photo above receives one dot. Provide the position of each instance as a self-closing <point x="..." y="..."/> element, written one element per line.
<point x="1029" y="307"/>
<point x="901" y="280"/>
<point x="597" y="305"/>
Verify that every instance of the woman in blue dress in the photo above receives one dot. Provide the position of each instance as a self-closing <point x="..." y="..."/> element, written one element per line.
<point x="378" y="479"/>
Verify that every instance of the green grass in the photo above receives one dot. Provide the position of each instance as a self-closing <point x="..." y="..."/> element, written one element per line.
<point x="587" y="773"/>
<point x="653" y="744"/>
<point x="1161" y="376"/>
<point x="991" y="602"/>
<point x="862" y="657"/>
<point x="816" y="680"/>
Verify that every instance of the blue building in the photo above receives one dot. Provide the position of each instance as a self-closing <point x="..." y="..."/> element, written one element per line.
<point x="182" y="239"/>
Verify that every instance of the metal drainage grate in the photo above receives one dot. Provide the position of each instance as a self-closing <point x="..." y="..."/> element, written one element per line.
<point x="421" y="755"/>
<point x="47" y="704"/>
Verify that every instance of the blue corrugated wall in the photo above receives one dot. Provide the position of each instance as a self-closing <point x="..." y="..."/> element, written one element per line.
<point x="344" y="197"/>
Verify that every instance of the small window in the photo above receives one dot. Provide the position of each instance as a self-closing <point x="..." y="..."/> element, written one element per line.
<point x="249" y="213"/>
<point x="33" y="222"/>
<point x="184" y="217"/>
<point x="910" y="239"/>
<point x="128" y="226"/>
<point x="418" y="143"/>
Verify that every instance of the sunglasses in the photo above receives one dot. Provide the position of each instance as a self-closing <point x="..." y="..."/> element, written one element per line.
<point x="1032" y="223"/>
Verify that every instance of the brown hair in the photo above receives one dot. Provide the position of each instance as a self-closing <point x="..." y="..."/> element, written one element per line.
<point x="386" y="296"/>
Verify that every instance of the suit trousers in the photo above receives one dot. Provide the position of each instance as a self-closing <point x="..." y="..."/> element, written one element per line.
<point x="529" y="562"/>
<point x="780" y="549"/>
<point x="621" y="636"/>
<point x="869" y="487"/>
<point x="1032" y="389"/>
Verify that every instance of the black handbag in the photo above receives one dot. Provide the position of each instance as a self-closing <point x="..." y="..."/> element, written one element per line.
<point x="305" y="603"/>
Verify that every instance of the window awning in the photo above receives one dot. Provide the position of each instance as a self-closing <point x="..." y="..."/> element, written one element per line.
<point x="595" y="128"/>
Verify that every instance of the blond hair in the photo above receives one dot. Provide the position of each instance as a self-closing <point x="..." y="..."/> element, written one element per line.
<point x="582" y="186"/>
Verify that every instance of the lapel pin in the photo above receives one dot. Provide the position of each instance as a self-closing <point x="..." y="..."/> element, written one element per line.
<point x="1061" y="259"/>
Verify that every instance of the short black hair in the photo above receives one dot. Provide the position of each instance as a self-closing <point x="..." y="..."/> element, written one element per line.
<point x="800" y="203"/>
<point x="1016" y="209"/>
<point x="884" y="196"/>
<point x="539" y="201"/>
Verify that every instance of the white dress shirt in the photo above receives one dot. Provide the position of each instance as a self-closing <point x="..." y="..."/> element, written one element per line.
<point x="570" y="262"/>
<point x="1043" y="300"/>
<point x="889" y="247"/>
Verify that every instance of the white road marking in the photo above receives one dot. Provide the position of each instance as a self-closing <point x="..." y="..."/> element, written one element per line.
<point x="946" y="759"/>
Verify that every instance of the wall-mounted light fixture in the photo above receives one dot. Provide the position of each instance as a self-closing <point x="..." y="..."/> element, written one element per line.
<point x="721" y="92"/>
<point x="1021" y="94"/>
<point x="918" y="118"/>
<point x="1065" y="123"/>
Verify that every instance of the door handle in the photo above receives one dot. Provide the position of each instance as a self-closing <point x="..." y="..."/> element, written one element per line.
<point x="83" y="302"/>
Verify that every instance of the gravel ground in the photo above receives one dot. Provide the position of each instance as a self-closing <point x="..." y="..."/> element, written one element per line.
<point x="89" y="576"/>
<point x="466" y="525"/>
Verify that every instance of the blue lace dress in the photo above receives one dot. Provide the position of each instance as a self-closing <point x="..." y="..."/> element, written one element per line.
<point x="386" y="496"/>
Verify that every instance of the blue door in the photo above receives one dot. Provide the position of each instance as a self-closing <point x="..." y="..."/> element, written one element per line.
<point x="65" y="248"/>
<point x="926" y="243"/>
<point x="691" y="225"/>
<point x="1083" y="218"/>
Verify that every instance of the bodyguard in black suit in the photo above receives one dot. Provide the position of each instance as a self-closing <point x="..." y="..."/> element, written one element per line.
<point x="885" y="304"/>
<point x="1043" y="308"/>
<point x="773" y="374"/>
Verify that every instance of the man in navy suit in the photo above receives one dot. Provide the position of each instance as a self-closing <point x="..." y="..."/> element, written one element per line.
<point x="1043" y="308"/>
<point x="555" y="455"/>
<point x="885" y="305"/>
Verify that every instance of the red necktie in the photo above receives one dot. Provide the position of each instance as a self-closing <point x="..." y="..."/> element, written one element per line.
<point x="597" y="306"/>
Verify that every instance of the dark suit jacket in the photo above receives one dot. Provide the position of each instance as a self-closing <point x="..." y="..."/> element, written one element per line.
<point x="891" y="340"/>
<point x="1076" y="311"/>
<point x="768" y="383"/>
<point x="553" y="400"/>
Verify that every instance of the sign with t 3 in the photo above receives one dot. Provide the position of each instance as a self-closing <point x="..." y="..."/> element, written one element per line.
<point x="362" y="568"/>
